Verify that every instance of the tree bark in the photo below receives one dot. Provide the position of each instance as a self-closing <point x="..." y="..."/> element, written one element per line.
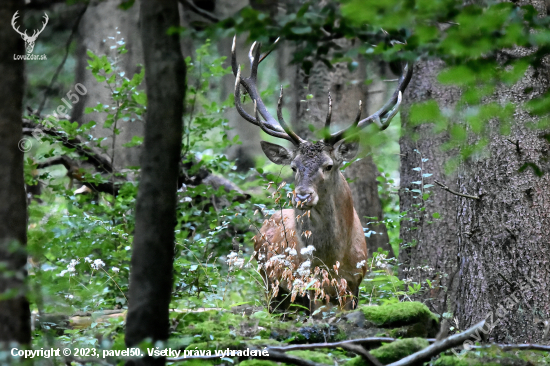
<point x="153" y="249"/>
<point x="504" y="236"/>
<point x="345" y="98"/>
<point x="101" y="21"/>
<point x="14" y="307"/>
<point x="429" y="246"/>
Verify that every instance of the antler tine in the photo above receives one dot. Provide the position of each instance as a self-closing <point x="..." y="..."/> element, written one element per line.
<point x="295" y="138"/>
<point x="234" y="66"/>
<point x="383" y="116"/>
<point x="329" y="113"/>
<point x="270" y="125"/>
<point x="358" y="117"/>
<point x="240" y="108"/>
<point x="282" y="135"/>
<point x="271" y="50"/>
<point x="255" y="61"/>
<point x="13" y="19"/>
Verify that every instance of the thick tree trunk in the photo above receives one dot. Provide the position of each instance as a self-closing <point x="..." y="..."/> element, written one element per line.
<point x="153" y="249"/>
<point x="103" y="20"/>
<point x="429" y="246"/>
<point x="345" y="98"/>
<point x="504" y="236"/>
<point x="14" y="307"/>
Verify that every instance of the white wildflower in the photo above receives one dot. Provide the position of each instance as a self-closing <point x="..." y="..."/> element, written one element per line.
<point x="304" y="269"/>
<point x="115" y="269"/>
<point x="88" y="260"/>
<point x="239" y="263"/>
<point x="297" y="283"/>
<point x="62" y="273"/>
<point x="98" y="263"/>
<point x="307" y="251"/>
<point x="70" y="297"/>
<point x="361" y="264"/>
<point x="291" y="251"/>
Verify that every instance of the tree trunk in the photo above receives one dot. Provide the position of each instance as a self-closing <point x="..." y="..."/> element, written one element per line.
<point x="429" y="246"/>
<point x="345" y="98"/>
<point x="101" y="21"/>
<point x="504" y="236"/>
<point x="153" y="249"/>
<point x="14" y="308"/>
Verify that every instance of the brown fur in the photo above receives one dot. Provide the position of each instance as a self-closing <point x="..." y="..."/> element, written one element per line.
<point x="336" y="230"/>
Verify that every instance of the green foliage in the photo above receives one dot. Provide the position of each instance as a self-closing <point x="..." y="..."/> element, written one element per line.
<point x="394" y="351"/>
<point x="81" y="244"/>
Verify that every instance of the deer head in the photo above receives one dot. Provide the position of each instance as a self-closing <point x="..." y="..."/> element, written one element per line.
<point x="29" y="40"/>
<point x="315" y="164"/>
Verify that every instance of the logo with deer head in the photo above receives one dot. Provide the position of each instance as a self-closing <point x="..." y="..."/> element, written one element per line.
<point x="29" y="40"/>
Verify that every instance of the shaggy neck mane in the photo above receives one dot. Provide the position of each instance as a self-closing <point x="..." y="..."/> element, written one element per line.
<point x="331" y="220"/>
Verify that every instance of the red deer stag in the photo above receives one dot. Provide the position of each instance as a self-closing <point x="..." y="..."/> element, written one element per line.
<point x="323" y="219"/>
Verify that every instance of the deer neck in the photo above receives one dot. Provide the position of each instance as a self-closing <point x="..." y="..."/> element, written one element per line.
<point x="330" y="221"/>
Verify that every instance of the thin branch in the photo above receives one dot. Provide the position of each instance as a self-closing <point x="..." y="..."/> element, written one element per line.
<point x="508" y="347"/>
<point x="369" y="359"/>
<point x="454" y="192"/>
<point x="67" y="46"/>
<point x="100" y="162"/>
<point x="440" y="346"/>
<point x="68" y="163"/>
<point x="361" y="341"/>
<point x="206" y="14"/>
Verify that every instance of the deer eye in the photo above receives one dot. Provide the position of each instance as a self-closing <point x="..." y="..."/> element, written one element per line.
<point x="328" y="168"/>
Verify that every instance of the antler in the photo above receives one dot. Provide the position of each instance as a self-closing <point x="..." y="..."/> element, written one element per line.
<point x="270" y="125"/>
<point x="13" y="19"/>
<point x="43" y="26"/>
<point x="35" y="32"/>
<point x="382" y="117"/>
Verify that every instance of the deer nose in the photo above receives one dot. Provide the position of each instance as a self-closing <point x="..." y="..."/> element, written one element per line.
<point x="303" y="197"/>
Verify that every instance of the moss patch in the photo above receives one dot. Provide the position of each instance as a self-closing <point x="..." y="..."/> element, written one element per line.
<point x="314" y="356"/>
<point x="399" y="314"/>
<point x="491" y="357"/>
<point x="258" y="363"/>
<point x="397" y="350"/>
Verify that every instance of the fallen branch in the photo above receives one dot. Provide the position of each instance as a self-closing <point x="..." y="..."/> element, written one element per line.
<point x="369" y="359"/>
<point x="508" y="347"/>
<point x="100" y="162"/>
<point x="443" y="186"/>
<point x="440" y="346"/>
<point x="103" y="164"/>
<point x="371" y="341"/>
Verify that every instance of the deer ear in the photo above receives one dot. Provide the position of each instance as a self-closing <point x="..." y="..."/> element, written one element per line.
<point x="346" y="150"/>
<point x="277" y="154"/>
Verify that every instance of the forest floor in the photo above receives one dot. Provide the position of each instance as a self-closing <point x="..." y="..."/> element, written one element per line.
<point x="389" y="332"/>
